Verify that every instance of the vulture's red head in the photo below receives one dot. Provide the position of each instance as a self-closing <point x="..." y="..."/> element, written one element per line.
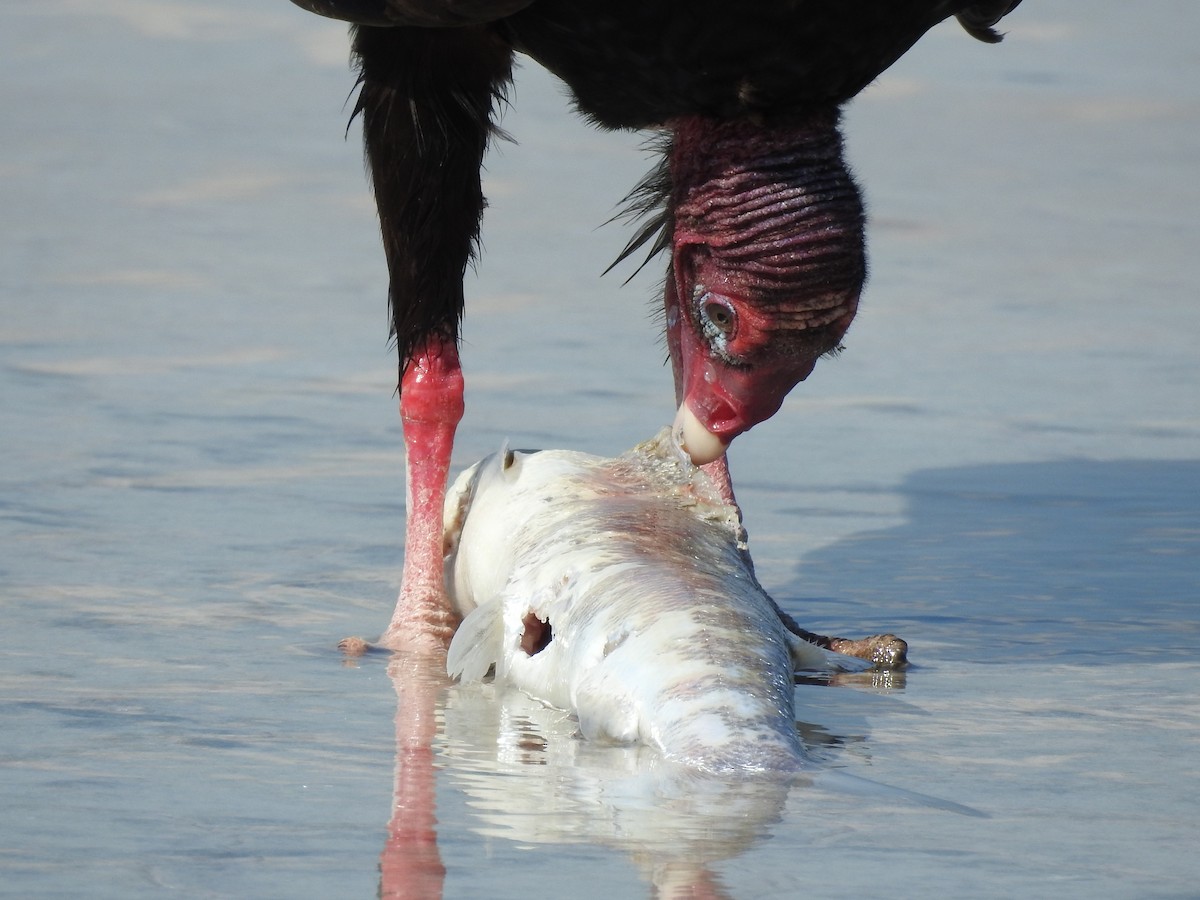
<point x="767" y="263"/>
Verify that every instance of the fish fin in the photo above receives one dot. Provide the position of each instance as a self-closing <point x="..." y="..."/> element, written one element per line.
<point x="476" y="645"/>
<point x="807" y="656"/>
<point x="841" y="662"/>
<point x="604" y="708"/>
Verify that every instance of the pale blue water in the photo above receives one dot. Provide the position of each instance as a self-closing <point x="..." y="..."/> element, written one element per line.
<point x="202" y="483"/>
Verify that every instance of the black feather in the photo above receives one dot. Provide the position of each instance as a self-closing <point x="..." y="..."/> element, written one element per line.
<point x="427" y="99"/>
<point x="979" y="19"/>
<point x="650" y="204"/>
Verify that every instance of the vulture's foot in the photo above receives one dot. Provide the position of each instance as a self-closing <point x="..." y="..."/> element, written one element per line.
<point x="427" y="635"/>
<point x="421" y="624"/>
<point x="354" y="647"/>
<point x="884" y="652"/>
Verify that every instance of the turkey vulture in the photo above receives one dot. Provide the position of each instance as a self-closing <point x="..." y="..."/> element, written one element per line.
<point x="761" y="222"/>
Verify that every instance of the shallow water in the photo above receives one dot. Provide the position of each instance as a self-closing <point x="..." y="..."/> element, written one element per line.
<point x="202" y="488"/>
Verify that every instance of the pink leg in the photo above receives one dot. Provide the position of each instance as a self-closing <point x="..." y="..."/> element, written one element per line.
<point x="431" y="406"/>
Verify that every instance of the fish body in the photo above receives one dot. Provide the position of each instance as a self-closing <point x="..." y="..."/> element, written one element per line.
<point x="620" y="589"/>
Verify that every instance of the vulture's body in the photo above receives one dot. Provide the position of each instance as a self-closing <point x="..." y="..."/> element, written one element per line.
<point x="752" y="203"/>
<point x="638" y="65"/>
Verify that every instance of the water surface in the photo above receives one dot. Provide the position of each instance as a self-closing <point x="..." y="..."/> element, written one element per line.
<point x="202" y="486"/>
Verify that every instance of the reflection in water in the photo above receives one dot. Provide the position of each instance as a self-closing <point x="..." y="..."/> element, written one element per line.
<point x="530" y="779"/>
<point x="411" y="865"/>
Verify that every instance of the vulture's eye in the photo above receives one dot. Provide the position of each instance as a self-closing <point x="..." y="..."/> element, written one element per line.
<point x="718" y="320"/>
<point x="721" y="317"/>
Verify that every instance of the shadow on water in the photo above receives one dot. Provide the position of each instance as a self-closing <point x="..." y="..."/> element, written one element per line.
<point x="1071" y="561"/>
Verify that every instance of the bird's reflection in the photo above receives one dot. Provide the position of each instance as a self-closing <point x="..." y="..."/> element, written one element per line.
<point x="410" y="866"/>
<point x="528" y="778"/>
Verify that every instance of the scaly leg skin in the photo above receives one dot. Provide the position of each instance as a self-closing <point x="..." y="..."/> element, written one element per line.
<point x="431" y="406"/>
<point x="883" y="651"/>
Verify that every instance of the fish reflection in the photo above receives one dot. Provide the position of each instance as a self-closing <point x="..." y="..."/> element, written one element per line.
<point x="529" y="778"/>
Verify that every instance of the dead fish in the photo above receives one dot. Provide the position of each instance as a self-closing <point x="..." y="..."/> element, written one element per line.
<point x="620" y="589"/>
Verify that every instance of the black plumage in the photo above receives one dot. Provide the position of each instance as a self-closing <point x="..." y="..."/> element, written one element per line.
<point x="431" y="72"/>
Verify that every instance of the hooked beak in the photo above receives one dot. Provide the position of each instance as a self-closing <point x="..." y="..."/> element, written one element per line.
<point x="700" y="444"/>
<point x="721" y="401"/>
<point x="718" y="400"/>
